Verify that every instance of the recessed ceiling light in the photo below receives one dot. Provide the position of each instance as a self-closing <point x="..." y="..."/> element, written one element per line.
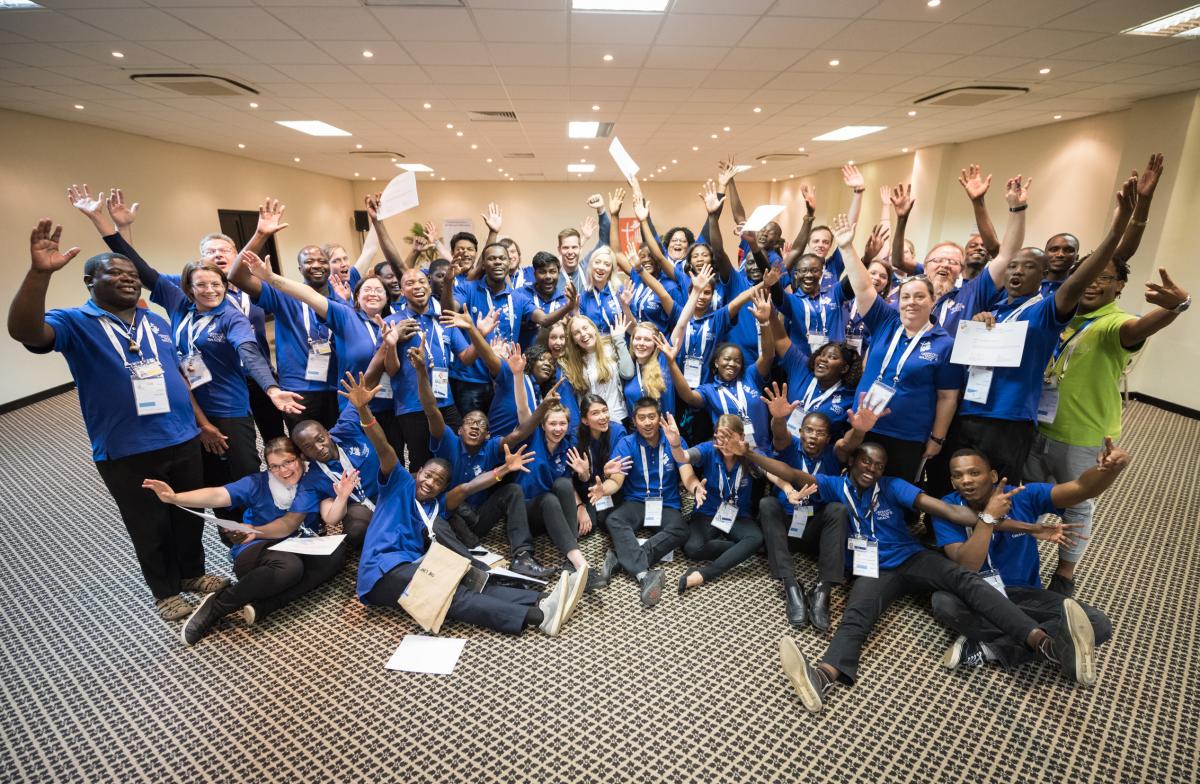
<point x="500" y="170"/>
<point x="372" y="179"/>
<point x="1043" y="71"/>
<point x="835" y="63"/>
<point x="393" y="160"/>
<point x="912" y="112"/>
<point x="595" y="107"/>
<point x="368" y="53"/>
<point x="773" y="179"/>
<point x="443" y="179"/>
<point x="790" y="176"/>
<point x="253" y="105"/>
<point x="726" y="129"/>
<point x="398" y="166"/>
<point x="489" y="160"/>
<point x="458" y="134"/>
<point x="608" y="58"/>
<point x="801" y="149"/>
<point x="118" y="55"/>
<point x="652" y="176"/>
<point x="1181" y="24"/>
<point x="431" y="174"/>
<point x="850" y="162"/>
<point x="903" y="149"/>
<point x="297" y="160"/>
<point x="358" y="146"/>
<point x="312" y="127"/>
<point x="428" y="106"/>
<point x="587" y="146"/>
<point x="674" y="161"/>
<point x="695" y="149"/>
<point x="1058" y="116"/>
<point x="355" y="174"/>
<point x="79" y="106"/>
<point x="577" y="168"/>
<point x="583" y="129"/>
<point x="414" y="167"/>
<point x="450" y="125"/>
<point x="474" y="146"/>
<point x="933" y="3"/>
<point x="848" y="132"/>
<point x="757" y="109"/>
<point x="645" y="6"/>
<point x="11" y="5"/>
<point x="583" y="160"/>
<point x="714" y="136"/>
<point x="241" y="146"/>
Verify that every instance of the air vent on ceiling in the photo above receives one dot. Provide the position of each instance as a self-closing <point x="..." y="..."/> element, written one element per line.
<point x="971" y="95"/>
<point x="492" y="116"/>
<point x="195" y="84"/>
<point x="518" y="155"/>
<point x="377" y="154"/>
<point x="780" y="157"/>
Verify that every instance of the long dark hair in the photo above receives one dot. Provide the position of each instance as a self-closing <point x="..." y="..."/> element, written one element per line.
<point x="596" y="448"/>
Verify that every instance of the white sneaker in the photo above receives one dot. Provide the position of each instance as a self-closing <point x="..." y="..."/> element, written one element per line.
<point x="249" y="614"/>
<point x="554" y="608"/>
<point x="576" y="584"/>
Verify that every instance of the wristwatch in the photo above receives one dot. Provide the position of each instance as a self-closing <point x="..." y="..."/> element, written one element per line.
<point x="936" y="440"/>
<point x="1182" y="306"/>
<point x="984" y="517"/>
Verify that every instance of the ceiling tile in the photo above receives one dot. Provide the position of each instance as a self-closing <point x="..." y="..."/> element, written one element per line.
<point x="669" y="77"/>
<point x="1042" y="43"/>
<point x="431" y="53"/>
<point x="788" y="32"/>
<point x="321" y="73"/>
<point x="977" y="67"/>
<point x="613" y="28"/>
<point x="463" y="74"/>
<point x="44" y="55"/>
<point x="876" y="34"/>
<point x="1117" y="47"/>
<point x="351" y="52"/>
<point x="746" y="58"/>
<point x="601" y="76"/>
<point x="907" y="63"/>
<point x="140" y="23"/>
<point x="846" y="9"/>
<point x="532" y="75"/>
<point x="1168" y="76"/>
<point x="427" y="24"/>
<point x="962" y="38"/>
<point x="1113" y="72"/>
<point x="917" y="10"/>
<point x="848" y="62"/>
<point x="332" y="24"/>
<point x="391" y="74"/>
<point x="551" y="55"/>
<point x="541" y="27"/>
<point x="51" y="26"/>
<point x="285" y="52"/>
<point x="135" y="56"/>
<point x="201" y="52"/>
<point x="719" y="6"/>
<point x="684" y="57"/>
<point x="237" y="24"/>
<point x="1185" y="53"/>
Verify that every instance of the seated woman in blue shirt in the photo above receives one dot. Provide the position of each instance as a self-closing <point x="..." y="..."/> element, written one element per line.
<point x="588" y="459"/>
<point x="267" y="579"/>
<point x="823" y="381"/>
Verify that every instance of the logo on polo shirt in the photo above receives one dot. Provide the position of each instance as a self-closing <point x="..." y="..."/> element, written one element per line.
<point x="926" y="345"/>
<point x="883" y="514"/>
<point x="357" y="451"/>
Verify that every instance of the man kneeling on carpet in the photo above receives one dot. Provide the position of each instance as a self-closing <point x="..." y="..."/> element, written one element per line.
<point x="1009" y="562"/>
<point x="409" y="516"/>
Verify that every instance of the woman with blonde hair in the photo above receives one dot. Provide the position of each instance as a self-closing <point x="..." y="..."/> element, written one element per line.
<point x="598" y="364"/>
<point x="651" y="378"/>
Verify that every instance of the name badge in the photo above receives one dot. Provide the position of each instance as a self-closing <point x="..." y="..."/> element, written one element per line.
<point x="148" y="369"/>
<point x="866" y="557"/>
<point x="195" y="370"/>
<point x="855" y="343"/>
<point x="605" y="502"/>
<point x="748" y="432"/>
<point x="992" y="577"/>
<point x="800" y="515"/>
<point x="385" y="387"/>
<point x="150" y="394"/>
<point x="439" y="379"/>
<point x="654" y="511"/>
<point x="1047" y="407"/>
<point x="692" y="370"/>
<point x="795" y="420"/>
<point x="878" y="396"/>
<point x="723" y="519"/>
<point x="816" y="340"/>
<point x="979" y="383"/>
<point x="317" y="368"/>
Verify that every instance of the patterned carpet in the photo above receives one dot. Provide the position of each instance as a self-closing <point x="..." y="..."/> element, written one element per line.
<point x="96" y="688"/>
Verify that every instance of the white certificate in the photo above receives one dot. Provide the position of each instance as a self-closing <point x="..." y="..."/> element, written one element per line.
<point x="309" y="545"/>
<point x="762" y="215"/>
<point x="1000" y="346"/>
<point x="399" y="196"/>
<point x="427" y="655"/>
<point x="625" y="163"/>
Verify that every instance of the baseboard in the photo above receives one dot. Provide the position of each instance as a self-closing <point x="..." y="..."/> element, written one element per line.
<point x="13" y="405"/>
<point x="1165" y="405"/>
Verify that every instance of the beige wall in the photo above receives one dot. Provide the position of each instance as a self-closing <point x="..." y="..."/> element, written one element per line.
<point x="180" y="189"/>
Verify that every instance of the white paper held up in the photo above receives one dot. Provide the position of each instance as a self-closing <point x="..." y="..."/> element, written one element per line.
<point x="1000" y="346"/>
<point x="625" y="163"/>
<point x="399" y="196"/>
<point x="762" y="215"/>
<point x="309" y="545"/>
<point x="428" y="655"/>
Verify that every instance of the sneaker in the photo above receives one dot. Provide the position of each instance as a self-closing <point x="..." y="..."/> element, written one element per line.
<point x="201" y="622"/>
<point x="601" y="578"/>
<point x="808" y="681"/>
<point x="173" y="608"/>
<point x="576" y="584"/>
<point x="1075" y="644"/>
<point x="553" y="609"/>
<point x="526" y="564"/>
<point x="1064" y="586"/>
<point x="249" y="614"/>
<point x="652" y="585"/>
<point x="205" y="583"/>
<point x="964" y="652"/>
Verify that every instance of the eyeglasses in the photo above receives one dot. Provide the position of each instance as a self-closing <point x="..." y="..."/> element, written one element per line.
<point x="1104" y="280"/>
<point x="208" y="286"/>
<point x="291" y="461"/>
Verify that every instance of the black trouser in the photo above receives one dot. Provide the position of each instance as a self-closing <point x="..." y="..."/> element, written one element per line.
<point x="266" y="416"/>
<point x="412" y="430"/>
<point x="924" y="572"/>
<point x="355" y="523"/>
<point x="724" y="550"/>
<point x="270" y="579"/>
<point x="505" y="502"/>
<point x="321" y="406"/>
<point x="240" y="459"/>
<point x="548" y="512"/>
<point x="498" y="607"/>
<point x="629" y="517"/>
<point x="1044" y="607"/>
<point x="1005" y="442"/>
<point x="597" y="516"/>
<point x="904" y="461"/>
<point x="824" y="536"/>
<point x="472" y="395"/>
<point x="165" y="539"/>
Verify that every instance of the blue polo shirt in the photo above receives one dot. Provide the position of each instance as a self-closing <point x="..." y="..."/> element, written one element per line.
<point x="634" y="392"/>
<point x="723" y="484"/>
<point x="502" y="416"/>
<point x="819" y="314"/>
<point x="877" y="516"/>
<point x="465" y="466"/>
<point x="701" y="337"/>
<point x="516" y="307"/>
<point x="355" y="338"/>
<point x="548" y="466"/>
<point x="348" y="434"/>
<point x="601" y="306"/>
<point x="741" y="398"/>
<point x="241" y="300"/>
<point x="105" y="383"/>
<point x="646" y="305"/>
<point x="1014" y="554"/>
<point x="803" y="388"/>
<point x="744" y="329"/>
<point x="825" y="463"/>
<point x="223" y="329"/>
<point x="683" y="279"/>
<point x="295" y="326"/>
<point x="835" y="266"/>
<point x="927" y="370"/>
<point x="1050" y="287"/>
<point x="853" y="327"/>
<point x="1015" y="391"/>
<point x="396" y="534"/>
<point x="957" y="304"/>
<point x="657" y="476"/>
<point x="442" y="347"/>
<point x="254" y="493"/>
<point x="529" y="330"/>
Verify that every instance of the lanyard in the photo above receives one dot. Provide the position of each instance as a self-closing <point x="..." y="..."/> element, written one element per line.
<point x="646" y="468"/>
<point x="1069" y="342"/>
<point x="193" y="331"/>
<point x="903" y="357"/>
<point x="531" y="392"/>
<point x="433" y="334"/>
<point x="427" y="517"/>
<point x="133" y="336"/>
<point x="816" y="469"/>
<point x="809" y="307"/>
<point x="603" y="310"/>
<point x="372" y="329"/>
<point x="507" y="308"/>
<point x="723" y="476"/>
<point x="1024" y="306"/>
<point x="739" y="401"/>
<point x="241" y="301"/>
<point x="358" y="496"/>
<point x="641" y="298"/>
<point x="309" y="319"/>
<point x="812" y="405"/>
<point x="687" y="338"/>
<point x="859" y="520"/>
<point x="944" y="309"/>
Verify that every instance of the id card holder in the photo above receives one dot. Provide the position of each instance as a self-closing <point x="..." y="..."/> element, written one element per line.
<point x="1047" y="407"/>
<point x="385" y="387"/>
<point x="795" y="420"/>
<point x="150" y="389"/>
<point x="748" y="432"/>
<point x="979" y="383"/>
<point x="654" y="511"/>
<point x="855" y="343"/>
<point x="878" y="396"/>
<point x="800" y="515"/>
<point x="692" y="370"/>
<point x="816" y="340"/>
<point x="148" y="369"/>
<point x="605" y="502"/>
<point x="992" y="577"/>
<point x="439" y="379"/>
<point x="319" y="354"/>
<point x="866" y="557"/>
<point x="723" y="519"/>
<point x="195" y="370"/>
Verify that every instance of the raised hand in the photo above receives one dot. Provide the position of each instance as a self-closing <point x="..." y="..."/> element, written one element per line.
<point x="703" y="277"/>
<point x="552" y="396"/>
<point x="596" y="491"/>
<point x="493" y="217"/>
<point x="700" y="492"/>
<point x="405" y="329"/>
<point x="588" y="227"/>
<point x="864" y="419"/>
<point x="621" y="325"/>
<point x="270" y="217"/>
<point x="902" y="200"/>
<point x="1148" y="180"/>
<point x="1167" y="296"/>
<point x="1000" y="503"/>
<point x="796" y="496"/>
<point x="341" y="287"/>
<point x="81" y="199"/>
<point x="287" y="402"/>
<point x="259" y="268"/>
<point x="761" y="300"/>
<point x="1112" y="458"/>
<point x="843" y="230"/>
<point x="346" y="483"/>
<point x="614" y="201"/>
<point x="641" y="207"/>
<point x="581" y="464"/>
<point x="974" y="184"/>
<point x="618" y="465"/>
<point x="430" y="229"/>
<point x="160" y="489"/>
<point x="671" y="430"/>
<point x="596" y="202"/>
<point x="809" y="193"/>
<point x="625" y="293"/>
<point x="853" y="177"/>
<point x="455" y="318"/>
<point x="669" y="349"/>
<point x="356" y="391"/>
<point x="516" y="363"/>
<point x="44" y="255"/>
<point x="885" y="197"/>
<point x="487" y="324"/>
<point x="1016" y="191"/>
<point x="416" y="358"/>
<point x="734" y="443"/>
<point x="572" y="295"/>
<point x="772" y="276"/>
<point x="1125" y="203"/>
<point x="121" y="213"/>
<point x="776" y="399"/>
<point x="1057" y="533"/>
<point x="371" y="200"/>
<point x="389" y="335"/>
<point x="708" y="194"/>
<point x="519" y="460"/>
<point x="875" y="243"/>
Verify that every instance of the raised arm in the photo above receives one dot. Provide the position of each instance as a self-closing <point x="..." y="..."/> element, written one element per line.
<point x="93" y="209"/>
<point x="684" y="390"/>
<point x="737" y="445"/>
<point x="369" y="249"/>
<point x="262" y="271"/>
<point x="780" y="409"/>
<point x="1147" y="182"/>
<point x="525" y="429"/>
<point x="766" y="343"/>
<point x="976" y="188"/>
<point x="203" y="498"/>
<point x="27" y="314"/>
<point x="483" y="349"/>
<point x="513" y="462"/>
<point x="437" y="423"/>
<point x="641" y="208"/>
<point x="727" y="184"/>
<point x="359" y="395"/>
<point x="1071" y="291"/>
<point x="713" y="203"/>
<point x="902" y="203"/>
<point x="1094" y="481"/>
<point x="861" y="422"/>
<point x="858" y="185"/>
<point x="703" y="277"/>
<point x="800" y="243"/>
<point x="270" y="221"/>
<point x="1167" y="297"/>
<point x="856" y="273"/>
<point x="390" y="251"/>
<point x="1016" y="195"/>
